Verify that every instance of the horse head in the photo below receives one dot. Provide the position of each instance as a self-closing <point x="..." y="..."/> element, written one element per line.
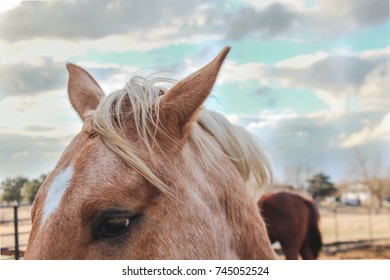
<point x="150" y="176"/>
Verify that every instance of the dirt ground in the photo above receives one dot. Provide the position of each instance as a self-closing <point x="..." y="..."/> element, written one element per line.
<point x="360" y="254"/>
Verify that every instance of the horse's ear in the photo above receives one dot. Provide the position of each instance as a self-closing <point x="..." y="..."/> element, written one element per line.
<point x="180" y="105"/>
<point x="84" y="92"/>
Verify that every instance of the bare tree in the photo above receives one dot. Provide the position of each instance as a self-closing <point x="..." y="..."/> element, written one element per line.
<point x="371" y="172"/>
<point x="298" y="175"/>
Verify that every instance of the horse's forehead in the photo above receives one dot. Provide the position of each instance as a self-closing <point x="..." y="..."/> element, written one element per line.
<point x="77" y="173"/>
<point x="56" y="191"/>
<point x="59" y="180"/>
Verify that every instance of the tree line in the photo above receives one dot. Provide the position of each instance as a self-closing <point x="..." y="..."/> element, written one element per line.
<point x="20" y="189"/>
<point x="367" y="172"/>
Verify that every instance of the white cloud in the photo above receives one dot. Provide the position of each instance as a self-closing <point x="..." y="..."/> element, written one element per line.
<point x="31" y="78"/>
<point x="90" y="19"/>
<point x="302" y="61"/>
<point x="338" y="104"/>
<point x="337" y="17"/>
<point x="43" y="75"/>
<point x="8" y="5"/>
<point x="186" y="20"/>
<point x="51" y="109"/>
<point x="319" y="17"/>
<point x="299" y="5"/>
<point x="270" y="119"/>
<point x="335" y="78"/>
<point x="273" y="20"/>
<point x="371" y="132"/>
<point x="29" y="155"/>
<point x="234" y="72"/>
<point x="63" y="49"/>
<point x="374" y="92"/>
<point x="324" y="143"/>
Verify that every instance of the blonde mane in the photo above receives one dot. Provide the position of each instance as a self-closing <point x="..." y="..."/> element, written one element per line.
<point x="144" y="96"/>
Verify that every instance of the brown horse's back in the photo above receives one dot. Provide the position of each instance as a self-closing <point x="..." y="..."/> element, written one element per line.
<point x="293" y="221"/>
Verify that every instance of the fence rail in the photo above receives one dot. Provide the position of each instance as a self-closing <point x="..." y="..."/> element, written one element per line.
<point x="11" y="227"/>
<point x="343" y="229"/>
<point x="336" y="247"/>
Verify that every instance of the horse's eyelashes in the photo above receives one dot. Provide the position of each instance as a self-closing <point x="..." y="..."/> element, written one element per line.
<point x="114" y="225"/>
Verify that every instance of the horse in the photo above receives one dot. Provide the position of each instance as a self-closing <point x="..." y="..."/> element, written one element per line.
<point x="153" y="174"/>
<point x="293" y="221"/>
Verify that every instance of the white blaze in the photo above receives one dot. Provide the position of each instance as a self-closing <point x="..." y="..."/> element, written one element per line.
<point x="56" y="192"/>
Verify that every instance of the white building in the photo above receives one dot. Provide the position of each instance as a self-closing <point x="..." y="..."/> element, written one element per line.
<point x="355" y="194"/>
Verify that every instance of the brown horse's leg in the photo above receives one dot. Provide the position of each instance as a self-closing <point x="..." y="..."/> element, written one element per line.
<point x="291" y="251"/>
<point x="306" y="252"/>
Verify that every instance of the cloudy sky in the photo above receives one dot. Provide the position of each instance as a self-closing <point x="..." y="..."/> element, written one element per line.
<point x="310" y="78"/>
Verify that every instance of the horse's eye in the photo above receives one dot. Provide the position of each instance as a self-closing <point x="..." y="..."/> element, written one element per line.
<point x="113" y="225"/>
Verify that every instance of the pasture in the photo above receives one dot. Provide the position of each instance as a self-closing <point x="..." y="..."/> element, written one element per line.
<point x="348" y="224"/>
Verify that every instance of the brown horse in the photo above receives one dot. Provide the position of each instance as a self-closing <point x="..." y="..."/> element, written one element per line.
<point x="293" y="221"/>
<point x="151" y="175"/>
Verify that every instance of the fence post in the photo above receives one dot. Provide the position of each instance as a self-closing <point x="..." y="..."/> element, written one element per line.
<point x="16" y="232"/>
<point x="336" y="227"/>
<point x="370" y="225"/>
<point x="388" y="219"/>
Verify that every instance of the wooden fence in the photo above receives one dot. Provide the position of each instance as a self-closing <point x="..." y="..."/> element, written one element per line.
<point x="14" y="231"/>
<point x="15" y="226"/>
